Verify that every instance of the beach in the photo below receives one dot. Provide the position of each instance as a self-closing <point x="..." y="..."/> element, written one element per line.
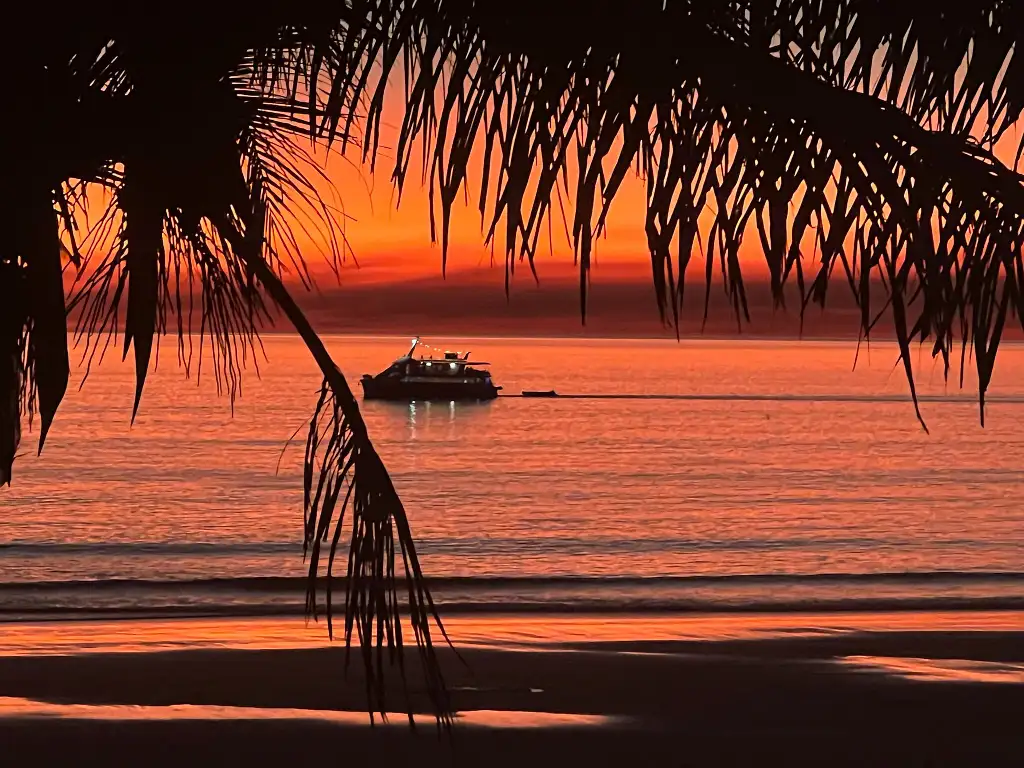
<point x="686" y="690"/>
<point x="693" y="565"/>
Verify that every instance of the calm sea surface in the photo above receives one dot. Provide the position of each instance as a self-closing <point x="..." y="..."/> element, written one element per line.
<point x="781" y="477"/>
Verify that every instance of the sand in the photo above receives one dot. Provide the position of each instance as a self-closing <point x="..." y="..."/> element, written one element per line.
<point x="777" y="701"/>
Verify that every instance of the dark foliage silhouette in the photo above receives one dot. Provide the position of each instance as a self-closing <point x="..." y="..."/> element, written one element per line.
<point x="854" y="139"/>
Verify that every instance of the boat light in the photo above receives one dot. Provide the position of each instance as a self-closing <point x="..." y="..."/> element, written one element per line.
<point x="454" y="366"/>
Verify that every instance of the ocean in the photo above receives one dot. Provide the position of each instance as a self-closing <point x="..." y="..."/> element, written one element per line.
<point x="700" y="475"/>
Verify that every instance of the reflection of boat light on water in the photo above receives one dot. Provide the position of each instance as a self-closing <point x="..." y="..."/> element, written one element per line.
<point x="447" y="378"/>
<point x="419" y="414"/>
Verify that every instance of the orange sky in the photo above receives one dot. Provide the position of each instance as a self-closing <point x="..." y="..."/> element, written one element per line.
<point x="393" y="242"/>
<point x="394" y="258"/>
<point x="398" y="285"/>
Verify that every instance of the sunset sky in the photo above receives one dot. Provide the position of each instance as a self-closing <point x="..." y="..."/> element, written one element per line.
<point x="392" y="242"/>
<point x="393" y="281"/>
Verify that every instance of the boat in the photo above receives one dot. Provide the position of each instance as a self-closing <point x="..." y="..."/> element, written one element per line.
<point x="539" y="393"/>
<point x="449" y="377"/>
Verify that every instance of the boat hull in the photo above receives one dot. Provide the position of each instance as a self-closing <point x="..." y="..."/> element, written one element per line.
<point x="403" y="390"/>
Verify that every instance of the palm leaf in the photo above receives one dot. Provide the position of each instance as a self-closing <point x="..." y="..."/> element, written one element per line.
<point x="220" y="218"/>
<point x="863" y="134"/>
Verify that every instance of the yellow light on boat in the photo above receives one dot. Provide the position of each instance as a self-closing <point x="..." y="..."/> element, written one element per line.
<point x="454" y="366"/>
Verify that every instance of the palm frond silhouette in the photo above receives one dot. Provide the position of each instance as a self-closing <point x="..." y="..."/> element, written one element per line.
<point x="852" y="140"/>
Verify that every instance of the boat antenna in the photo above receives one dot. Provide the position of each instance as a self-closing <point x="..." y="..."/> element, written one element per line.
<point x="412" y="349"/>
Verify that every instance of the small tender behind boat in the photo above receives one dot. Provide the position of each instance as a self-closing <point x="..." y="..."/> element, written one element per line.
<point x="447" y="378"/>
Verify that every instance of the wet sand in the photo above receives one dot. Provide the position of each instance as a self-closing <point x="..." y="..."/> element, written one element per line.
<point x="802" y="700"/>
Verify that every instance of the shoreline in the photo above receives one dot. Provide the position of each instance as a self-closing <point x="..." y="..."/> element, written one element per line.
<point x="721" y="692"/>
<point x="654" y="609"/>
<point x="121" y="633"/>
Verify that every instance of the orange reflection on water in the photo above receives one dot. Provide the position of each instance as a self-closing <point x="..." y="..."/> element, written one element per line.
<point x="940" y="670"/>
<point x="12" y="707"/>
<point x="153" y="635"/>
<point x="542" y="630"/>
<point x="703" y="489"/>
